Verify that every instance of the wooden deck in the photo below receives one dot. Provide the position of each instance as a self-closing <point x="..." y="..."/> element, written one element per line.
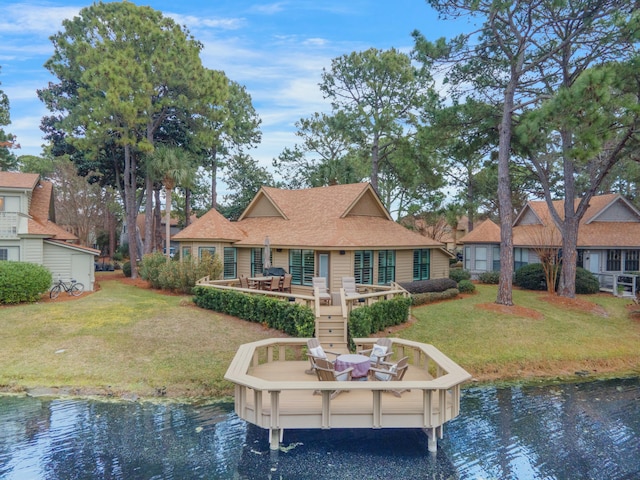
<point x="274" y="392"/>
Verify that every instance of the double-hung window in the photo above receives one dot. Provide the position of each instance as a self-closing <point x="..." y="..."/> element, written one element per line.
<point x="632" y="261"/>
<point x="481" y="259"/>
<point x="386" y="267"/>
<point x="520" y="257"/>
<point x="301" y="266"/>
<point x="363" y="267"/>
<point x="257" y="262"/>
<point x="421" y="264"/>
<point x="209" y="250"/>
<point x="496" y="258"/>
<point x="614" y="260"/>
<point x="230" y="262"/>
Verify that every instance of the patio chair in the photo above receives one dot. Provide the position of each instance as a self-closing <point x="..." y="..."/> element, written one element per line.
<point x="391" y="372"/>
<point x="274" y="285"/>
<point x="286" y="283"/>
<point x="326" y="372"/>
<point x="244" y="281"/>
<point x="315" y="352"/>
<point x="320" y="283"/>
<point x="379" y="352"/>
<point x="349" y="287"/>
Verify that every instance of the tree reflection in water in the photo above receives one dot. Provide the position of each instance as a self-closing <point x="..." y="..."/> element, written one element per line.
<point x="569" y="431"/>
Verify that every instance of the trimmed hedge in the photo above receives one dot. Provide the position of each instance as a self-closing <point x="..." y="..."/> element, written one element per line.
<point x="429" y="297"/>
<point x="426" y="286"/>
<point x="23" y="282"/>
<point x="368" y="319"/>
<point x="291" y="318"/>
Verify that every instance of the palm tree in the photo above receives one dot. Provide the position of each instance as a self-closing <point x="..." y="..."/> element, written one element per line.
<point x="173" y="166"/>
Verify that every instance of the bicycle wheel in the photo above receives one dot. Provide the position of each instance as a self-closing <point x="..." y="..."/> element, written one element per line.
<point x="76" y="289"/>
<point x="55" y="291"/>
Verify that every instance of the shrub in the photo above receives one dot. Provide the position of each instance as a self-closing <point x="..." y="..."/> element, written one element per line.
<point x="425" y="286"/>
<point x="23" y="282"/>
<point x="465" y="286"/>
<point x="291" y="318"/>
<point x="492" y="278"/>
<point x="531" y="277"/>
<point x="150" y="268"/>
<point x="458" y="274"/>
<point x="586" y="282"/>
<point x="363" y="321"/>
<point x="126" y="269"/>
<point x="179" y="276"/>
<point x="423" y="298"/>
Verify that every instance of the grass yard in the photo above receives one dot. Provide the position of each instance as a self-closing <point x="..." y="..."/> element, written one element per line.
<point x="542" y="336"/>
<point x="121" y="340"/>
<point x="124" y="340"/>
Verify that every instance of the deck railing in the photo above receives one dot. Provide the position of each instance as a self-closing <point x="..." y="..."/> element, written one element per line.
<point x="263" y="401"/>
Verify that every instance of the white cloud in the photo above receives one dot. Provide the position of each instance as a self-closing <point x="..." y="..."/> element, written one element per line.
<point x="192" y="22"/>
<point x="29" y="18"/>
<point x="269" y="9"/>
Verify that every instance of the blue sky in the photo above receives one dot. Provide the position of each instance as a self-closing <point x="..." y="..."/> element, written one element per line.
<point x="277" y="50"/>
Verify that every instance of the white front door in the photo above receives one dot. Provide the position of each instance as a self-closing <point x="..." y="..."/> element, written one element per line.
<point x="594" y="262"/>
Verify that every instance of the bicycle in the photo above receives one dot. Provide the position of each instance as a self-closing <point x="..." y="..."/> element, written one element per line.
<point x="72" y="288"/>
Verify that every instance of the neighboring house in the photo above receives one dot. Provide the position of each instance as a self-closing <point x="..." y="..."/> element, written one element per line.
<point x="332" y="232"/>
<point x="28" y="232"/>
<point x="441" y="231"/>
<point x="608" y="237"/>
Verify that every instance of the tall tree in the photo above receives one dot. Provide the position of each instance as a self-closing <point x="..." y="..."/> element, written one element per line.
<point x="380" y="93"/>
<point x="510" y="61"/>
<point x="8" y="160"/>
<point x="325" y="156"/>
<point x="238" y="129"/>
<point x="583" y="130"/>
<point x="123" y="70"/>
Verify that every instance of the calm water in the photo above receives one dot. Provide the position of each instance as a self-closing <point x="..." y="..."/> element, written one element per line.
<point x="583" y="431"/>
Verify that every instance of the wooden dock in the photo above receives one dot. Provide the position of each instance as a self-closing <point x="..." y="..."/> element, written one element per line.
<point x="273" y="391"/>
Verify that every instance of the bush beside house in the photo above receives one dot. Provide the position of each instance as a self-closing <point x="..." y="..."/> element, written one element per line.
<point x="179" y="276"/>
<point x="23" y="282"/>
<point x="531" y="277"/>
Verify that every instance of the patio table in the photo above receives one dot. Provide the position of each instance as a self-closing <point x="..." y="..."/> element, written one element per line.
<point x="261" y="281"/>
<point x="360" y="364"/>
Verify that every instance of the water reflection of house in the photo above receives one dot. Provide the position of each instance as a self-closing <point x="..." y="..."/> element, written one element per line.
<point x="28" y="232"/>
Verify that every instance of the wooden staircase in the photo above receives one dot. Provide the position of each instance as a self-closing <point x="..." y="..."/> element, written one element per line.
<point x="332" y="329"/>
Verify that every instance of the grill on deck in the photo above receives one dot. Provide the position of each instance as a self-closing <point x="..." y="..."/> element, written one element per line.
<point x="274" y="272"/>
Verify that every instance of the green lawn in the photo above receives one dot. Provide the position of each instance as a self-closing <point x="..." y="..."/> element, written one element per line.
<point x="564" y="340"/>
<point x="125" y="339"/>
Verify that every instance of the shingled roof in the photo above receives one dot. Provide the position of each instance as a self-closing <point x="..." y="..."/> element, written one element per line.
<point x="594" y="229"/>
<point x="40" y="207"/>
<point x="334" y="217"/>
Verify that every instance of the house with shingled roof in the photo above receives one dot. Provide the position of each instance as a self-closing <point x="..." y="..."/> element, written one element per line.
<point x="608" y="237"/>
<point x="332" y="232"/>
<point x="28" y="232"/>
